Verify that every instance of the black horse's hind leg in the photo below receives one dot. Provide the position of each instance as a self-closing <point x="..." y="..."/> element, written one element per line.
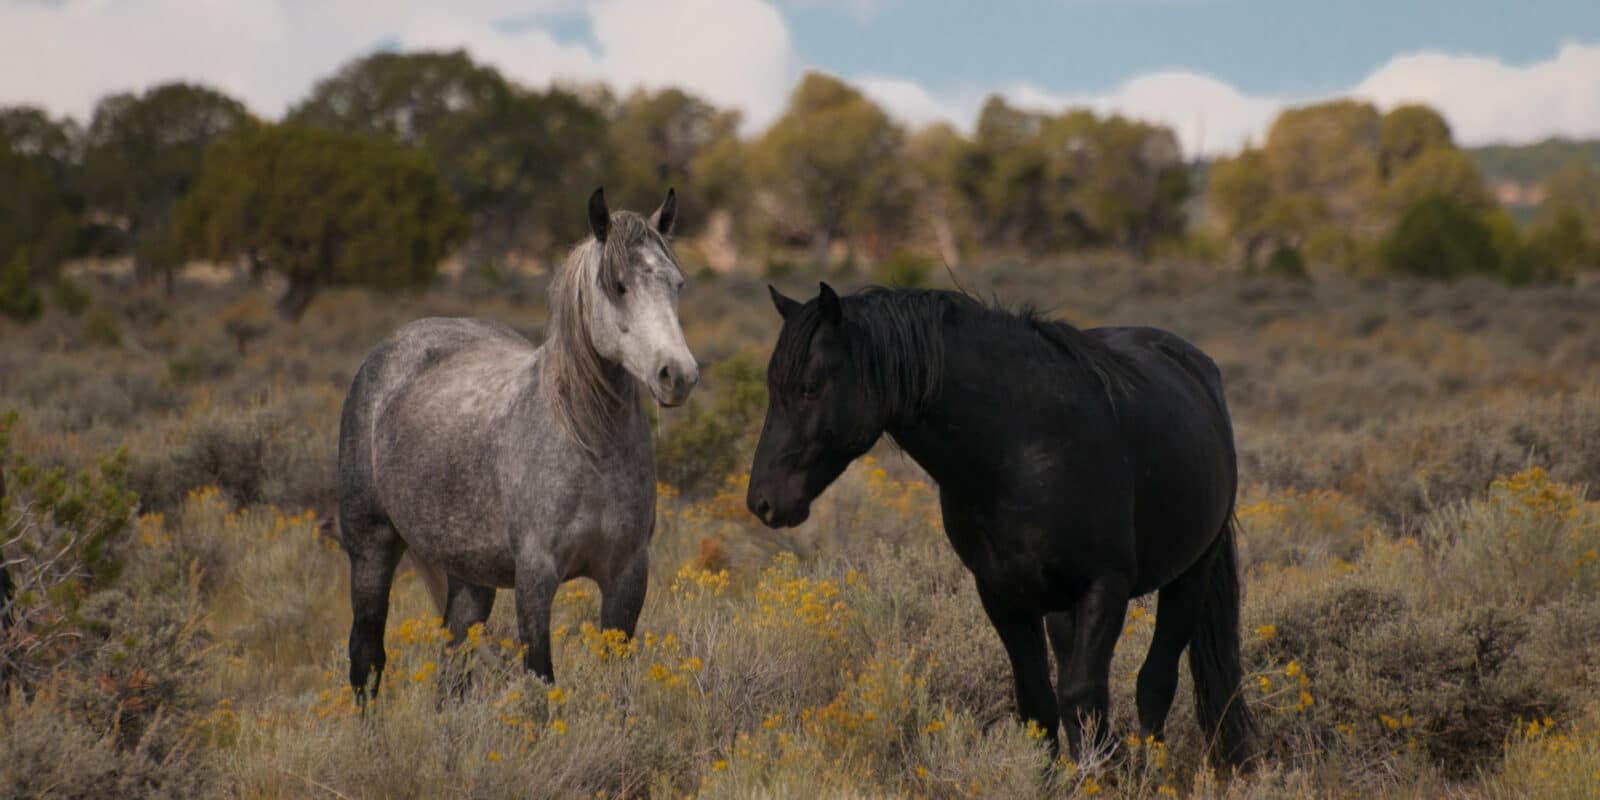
<point x="1176" y="609"/>
<point x="537" y="582"/>
<point x="1086" y="685"/>
<point x="1060" y="629"/>
<point x="1023" y="636"/>
<point x="374" y="550"/>
<point x="622" y="598"/>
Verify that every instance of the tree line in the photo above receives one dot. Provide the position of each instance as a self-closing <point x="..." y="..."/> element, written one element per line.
<point x="400" y="158"/>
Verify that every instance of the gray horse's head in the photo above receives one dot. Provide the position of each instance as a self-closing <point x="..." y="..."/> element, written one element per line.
<point x="635" y="322"/>
<point x="620" y="295"/>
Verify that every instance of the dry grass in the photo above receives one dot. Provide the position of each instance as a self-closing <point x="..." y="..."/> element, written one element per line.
<point x="1419" y="526"/>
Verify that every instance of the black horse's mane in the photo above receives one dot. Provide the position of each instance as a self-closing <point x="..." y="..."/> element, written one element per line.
<point x="902" y="329"/>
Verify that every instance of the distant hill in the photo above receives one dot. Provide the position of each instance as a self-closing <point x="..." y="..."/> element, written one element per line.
<point x="1516" y="173"/>
<point x="1530" y="164"/>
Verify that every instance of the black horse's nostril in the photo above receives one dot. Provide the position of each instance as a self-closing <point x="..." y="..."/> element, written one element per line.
<point x="763" y="509"/>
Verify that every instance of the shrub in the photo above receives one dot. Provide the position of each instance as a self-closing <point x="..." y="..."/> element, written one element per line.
<point x="1440" y="238"/>
<point x="71" y="297"/>
<point x="19" y="298"/>
<point x="101" y="330"/>
<point x="1286" y="262"/>
<point x="907" y="270"/>
<point x="697" y="452"/>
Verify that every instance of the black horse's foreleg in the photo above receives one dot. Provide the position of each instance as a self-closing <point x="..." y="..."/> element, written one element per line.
<point x="622" y="598"/>
<point x="1022" y="633"/>
<point x="1086" y="687"/>
<point x="537" y="582"/>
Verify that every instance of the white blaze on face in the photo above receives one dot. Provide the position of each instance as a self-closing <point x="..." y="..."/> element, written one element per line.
<point x="648" y="340"/>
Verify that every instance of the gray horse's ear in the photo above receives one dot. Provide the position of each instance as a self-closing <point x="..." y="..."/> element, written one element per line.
<point x="599" y="215"/>
<point x="828" y="303"/>
<point x="665" y="215"/>
<point x="785" y="305"/>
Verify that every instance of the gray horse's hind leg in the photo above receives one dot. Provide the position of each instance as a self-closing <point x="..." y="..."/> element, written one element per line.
<point x="374" y="549"/>
<point x="435" y="581"/>
<point x="622" y="598"/>
<point x="537" y="582"/>
<point x="469" y="605"/>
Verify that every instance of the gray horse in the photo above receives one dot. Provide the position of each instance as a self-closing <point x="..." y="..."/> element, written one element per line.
<point x="494" y="463"/>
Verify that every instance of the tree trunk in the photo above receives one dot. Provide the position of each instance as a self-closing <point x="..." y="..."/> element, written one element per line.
<point x="295" y="299"/>
<point x="258" y="266"/>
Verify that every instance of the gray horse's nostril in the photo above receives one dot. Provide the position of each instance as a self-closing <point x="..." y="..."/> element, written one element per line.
<point x="665" y="376"/>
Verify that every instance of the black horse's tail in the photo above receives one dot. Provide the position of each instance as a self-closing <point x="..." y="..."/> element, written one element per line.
<point x="1214" y="658"/>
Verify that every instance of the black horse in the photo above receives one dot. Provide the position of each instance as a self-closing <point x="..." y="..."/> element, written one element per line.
<point x="1076" y="468"/>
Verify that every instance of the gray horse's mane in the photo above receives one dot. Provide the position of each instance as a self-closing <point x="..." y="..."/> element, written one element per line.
<point x="586" y="400"/>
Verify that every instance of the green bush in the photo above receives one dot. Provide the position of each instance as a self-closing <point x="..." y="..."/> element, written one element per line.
<point x="1553" y="251"/>
<point x="71" y="297"/>
<point x="1440" y="238"/>
<point x="907" y="270"/>
<point x="19" y="298"/>
<point x="1286" y="262"/>
<point x="101" y="330"/>
<point x="696" y="453"/>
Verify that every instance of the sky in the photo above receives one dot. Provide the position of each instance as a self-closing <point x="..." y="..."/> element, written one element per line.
<point x="1217" y="71"/>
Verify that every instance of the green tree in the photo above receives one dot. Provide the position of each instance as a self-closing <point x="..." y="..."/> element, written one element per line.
<point x="1573" y="189"/>
<point x="1046" y="182"/>
<point x="662" y="139"/>
<point x="38" y="208"/>
<point x="1440" y="238"/>
<point x="1408" y="131"/>
<point x="1002" y="176"/>
<point x="833" y="160"/>
<point x="512" y="158"/>
<point x="1440" y="171"/>
<point x="322" y="208"/>
<point x="1240" y="190"/>
<point x="142" y="153"/>
<point x="1327" y="175"/>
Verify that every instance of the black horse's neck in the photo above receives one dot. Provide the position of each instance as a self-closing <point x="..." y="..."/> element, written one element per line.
<point x="1001" y="376"/>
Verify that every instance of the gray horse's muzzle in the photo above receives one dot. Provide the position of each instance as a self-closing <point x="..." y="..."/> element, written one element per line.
<point x="673" y="381"/>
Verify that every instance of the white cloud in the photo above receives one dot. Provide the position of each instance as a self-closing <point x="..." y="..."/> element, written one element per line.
<point x="65" y="56"/>
<point x="1486" y="100"/>
<point x="736" y="53"/>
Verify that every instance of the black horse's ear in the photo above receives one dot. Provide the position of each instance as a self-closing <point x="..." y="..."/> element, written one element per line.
<point x="785" y="305"/>
<point x="599" y="215"/>
<point x="828" y="304"/>
<point x="665" y="215"/>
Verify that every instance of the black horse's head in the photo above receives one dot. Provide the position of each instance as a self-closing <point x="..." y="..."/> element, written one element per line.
<point x="821" y="412"/>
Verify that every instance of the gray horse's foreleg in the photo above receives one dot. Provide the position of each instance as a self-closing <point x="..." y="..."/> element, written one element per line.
<point x="622" y="598"/>
<point x="537" y="582"/>
<point x="374" y="551"/>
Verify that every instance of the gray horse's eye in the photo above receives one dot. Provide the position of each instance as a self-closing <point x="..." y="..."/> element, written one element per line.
<point x="621" y="288"/>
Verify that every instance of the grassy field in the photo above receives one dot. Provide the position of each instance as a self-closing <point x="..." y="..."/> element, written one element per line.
<point x="1420" y="528"/>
